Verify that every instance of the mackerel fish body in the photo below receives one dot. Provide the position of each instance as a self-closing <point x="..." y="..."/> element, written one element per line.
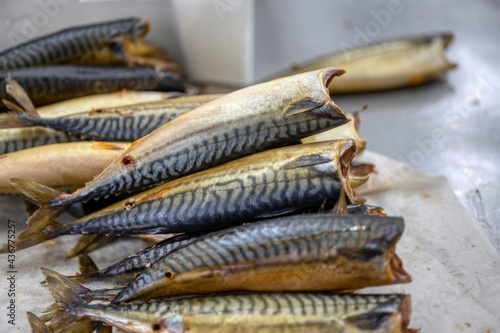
<point x="14" y="139"/>
<point x="50" y="84"/>
<point x="259" y="313"/>
<point x="125" y="123"/>
<point x="244" y="122"/>
<point x="294" y="253"/>
<point x="70" y="43"/>
<point x="146" y="257"/>
<point x="268" y="183"/>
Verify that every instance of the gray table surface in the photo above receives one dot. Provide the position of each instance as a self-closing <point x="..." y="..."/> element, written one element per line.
<point x="450" y="126"/>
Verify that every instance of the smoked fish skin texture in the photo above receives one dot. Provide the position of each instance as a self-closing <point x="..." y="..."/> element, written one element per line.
<point x="241" y="123"/>
<point x="294" y="253"/>
<point x="70" y="43"/>
<point x="260" y="185"/>
<point x="50" y="84"/>
<point x="263" y="312"/>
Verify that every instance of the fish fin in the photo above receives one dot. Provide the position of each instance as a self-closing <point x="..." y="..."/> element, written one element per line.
<point x="86" y="264"/>
<point x="66" y="323"/>
<point x="273" y="214"/>
<point x="103" y="329"/>
<point x="29" y="237"/>
<point x="41" y="194"/>
<point x="302" y="106"/>
<point x="341" y="204"/>
<point x="11" y="120"/>
<point x="368" y="321"/>
<point x="31" y="208"/>
<point x="49" y="312"/>
<point x="84" y="241"/>
<point x="34" y="190"/>
<point x="306" y="160"/>
<point x="363" y="255"/>
<point x="66" y="294"/>
<point x="17" y="92"/>
<point x="36" y="324"/>
<point x="109" y="145"/>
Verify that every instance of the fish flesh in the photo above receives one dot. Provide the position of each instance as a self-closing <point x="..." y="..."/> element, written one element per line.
<point x="125" y="123"/>
<point x="72" y="43"/>
<point x="101" y="101"/>
<point x="346" y="131"/>
<point x="387" y="64"/>
<point x="244" y="122"/>
<point x="63" y="166"/>
<point x="293" y="253"/>
<point x="18" y="138"/>
<point x="49" y="84"/>
<point x="254" y="187"/>
<point x="263" y="313"/>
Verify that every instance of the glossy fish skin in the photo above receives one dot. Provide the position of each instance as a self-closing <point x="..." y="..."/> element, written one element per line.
<point x="388" y="64"/>
<point x="254" y="187"/>
<point x="242" y="190"/>
<point x="71" y="43"/>
<point x="125" y="123"/>
<point x="100" y="101"/>
<point x="244" y="122"/>
<point x="144" y="258"/>
<point x="14" y="139"/>
<point x="38" y="164"/>
<point x="262" y="313"/>
<point x="293" y="253"/>
<point x="49" y="84"/>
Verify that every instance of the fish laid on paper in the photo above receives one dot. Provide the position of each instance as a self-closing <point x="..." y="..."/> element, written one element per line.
<point x="293" y="253"/>
<point x="62" y="166"/>
<point x="125" y="123"/>
<point x="262" y="313"/>
<point x="241" y="123"/>
<point x="72" y="43"/>
<point x="257" y="186"/>
<point x="387" y="64"/>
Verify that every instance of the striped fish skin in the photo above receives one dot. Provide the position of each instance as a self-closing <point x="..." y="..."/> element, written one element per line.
<point x="263" y="184"/>
<point x="271" y="313"/>
<point x="49" y="84"/>
<point x="126" y="123"/>
<point x="146" y="257"/>
<point x="14" y="139"/>
<point x="38" y="163"/>
<point x="388" y="64"/>
<point x="70" y="43"/>
<point x="294" y="253"/>
<point x="244" y="122"/>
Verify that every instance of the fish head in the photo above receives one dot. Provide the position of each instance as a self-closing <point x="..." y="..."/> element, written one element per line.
<point x="308" y="93"/>
<point x="148" y="284"/>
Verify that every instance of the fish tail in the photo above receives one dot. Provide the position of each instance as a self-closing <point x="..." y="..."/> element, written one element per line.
<point x="88" y="269"/>
<point x="67" y="296"/>
<point x="43" y="195"/>
<point x="36" y="324"/>
<point x="42" y="225"/>
<point x="24" y="112"/>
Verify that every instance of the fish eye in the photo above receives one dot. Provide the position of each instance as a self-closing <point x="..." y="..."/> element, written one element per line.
<point x="169" y="275"/>
<point x="158" y="326"/>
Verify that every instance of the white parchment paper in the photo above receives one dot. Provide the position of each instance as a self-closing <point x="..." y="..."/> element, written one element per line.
<point x="455" y="269"/>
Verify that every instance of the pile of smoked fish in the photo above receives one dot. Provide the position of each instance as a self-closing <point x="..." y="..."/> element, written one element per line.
<point x="253" y="213"/>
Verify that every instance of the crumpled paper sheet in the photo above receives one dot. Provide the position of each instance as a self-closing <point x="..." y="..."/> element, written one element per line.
<point x="455" y="269"/>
